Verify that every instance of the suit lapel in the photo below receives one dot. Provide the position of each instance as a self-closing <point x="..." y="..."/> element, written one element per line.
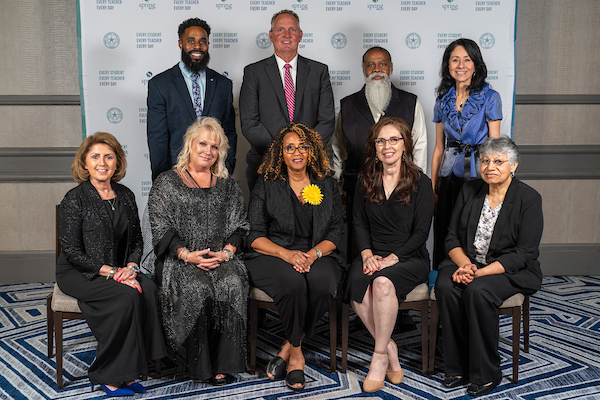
<point x="211" y="87"/>
<point x="363" y="106"/>
<point x="301" y="79"/>
<point x="273" y="73"/>
<point x="179" y="83"/>
<point x="320" y="217"/>
<point x="474" y="214"/>
<point x="503" y="217"/>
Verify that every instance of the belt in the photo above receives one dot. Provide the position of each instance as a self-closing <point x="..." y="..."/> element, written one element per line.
<point x="468" y="149"/>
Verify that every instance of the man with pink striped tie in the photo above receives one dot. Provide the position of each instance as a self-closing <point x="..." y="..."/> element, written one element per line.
<point x="281" y="89"/>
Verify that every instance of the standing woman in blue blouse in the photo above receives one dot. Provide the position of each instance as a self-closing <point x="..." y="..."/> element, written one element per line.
<point x="467" y="112"/>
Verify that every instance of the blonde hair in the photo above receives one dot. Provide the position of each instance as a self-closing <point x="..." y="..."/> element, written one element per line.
<point x="80" y="174"/>
<point x="214" y="129"/>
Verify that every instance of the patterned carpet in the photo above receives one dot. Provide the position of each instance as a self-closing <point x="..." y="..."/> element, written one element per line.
<point x="563" y="362"/>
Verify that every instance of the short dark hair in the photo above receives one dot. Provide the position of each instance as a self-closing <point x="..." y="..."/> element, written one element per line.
<point x="378" y="48"/>
<point x="289" y="12"/>
<point x="193" y="22"/>
<point x="479" y="76"/>
<point x="80" y="174"/>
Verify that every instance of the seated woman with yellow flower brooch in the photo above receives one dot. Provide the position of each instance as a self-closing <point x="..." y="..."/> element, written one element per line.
<point x="296" y="220"/>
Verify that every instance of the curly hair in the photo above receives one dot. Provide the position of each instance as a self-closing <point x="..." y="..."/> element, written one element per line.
<point x="213" y="129"/>
<point x="273" y="166"/>
<point x="193" y="22"/>
<point x="479" y="76"/>
<point x="80" y="174"/>
<point x="372" y="176"/>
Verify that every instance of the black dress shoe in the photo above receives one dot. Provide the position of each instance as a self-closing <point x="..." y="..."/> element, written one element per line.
<point x="225" y="380"/>
<point x="454" y="381"/>
<point x="481" y="390"/>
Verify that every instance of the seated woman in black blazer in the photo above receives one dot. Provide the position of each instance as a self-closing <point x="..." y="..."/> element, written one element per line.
<point x="295" y="214"/>
<point x="99" y="232"/>
<point x="493" y="246"/>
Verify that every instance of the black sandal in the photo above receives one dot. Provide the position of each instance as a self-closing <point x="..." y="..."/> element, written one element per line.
<point x="295" y="377"/>
<point x="277" y="366"/>
<point x="225" y="380"/>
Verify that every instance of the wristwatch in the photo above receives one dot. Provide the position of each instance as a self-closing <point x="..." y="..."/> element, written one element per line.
<point x="319" y="252"/>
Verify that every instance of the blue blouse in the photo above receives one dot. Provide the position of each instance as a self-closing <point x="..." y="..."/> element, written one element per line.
<point x="469" y="127"/>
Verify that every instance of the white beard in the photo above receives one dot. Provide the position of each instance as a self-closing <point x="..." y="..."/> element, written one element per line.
<point x="378" y="92"/>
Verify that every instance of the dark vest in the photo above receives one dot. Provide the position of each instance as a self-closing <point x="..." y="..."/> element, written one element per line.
<point x="357" y="120"/>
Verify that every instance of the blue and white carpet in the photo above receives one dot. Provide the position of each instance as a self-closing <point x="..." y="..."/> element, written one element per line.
<point x="563" y="362"/>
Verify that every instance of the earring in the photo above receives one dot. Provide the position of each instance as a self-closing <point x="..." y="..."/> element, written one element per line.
<point x="403" y="156"/>
<point x="512" y="174"/>
<point x="376" y="160"/>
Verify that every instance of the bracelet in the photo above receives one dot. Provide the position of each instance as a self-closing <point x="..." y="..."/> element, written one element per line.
<point x="229" y="254"/>
<point x="319" y="252"/>
<point x="186" y="254"/>
<point x="181" y="252"/>
<point x="111" y="273"/>
<point x="135" y="268"/>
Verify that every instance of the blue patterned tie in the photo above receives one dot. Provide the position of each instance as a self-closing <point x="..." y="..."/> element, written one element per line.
<point x="196" y="92"/>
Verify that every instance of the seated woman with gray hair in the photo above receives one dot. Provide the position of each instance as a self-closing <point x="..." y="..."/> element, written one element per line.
<point x="198" y="222"/>
<point x="493" y="248"/>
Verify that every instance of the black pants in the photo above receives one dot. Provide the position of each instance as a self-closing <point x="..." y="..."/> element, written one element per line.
<point x="301" y="299"/>
<point x="447" y="190"/>
<point x="470" y="324"/>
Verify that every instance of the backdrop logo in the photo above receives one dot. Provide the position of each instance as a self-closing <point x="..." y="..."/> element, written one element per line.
<point x="112" y="40"/>
<point x="413" y="40"/>
<point x="339" y="40"/>
<point x="263" y="41"/>
<point x="149" y="74"/>
<point x="114" y="115"/>
<point x="225" y="73"/>
<point x="487" y="40"/>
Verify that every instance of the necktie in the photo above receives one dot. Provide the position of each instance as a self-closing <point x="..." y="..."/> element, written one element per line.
<point x="289" y="91"/>
<point x="196" y="93"/>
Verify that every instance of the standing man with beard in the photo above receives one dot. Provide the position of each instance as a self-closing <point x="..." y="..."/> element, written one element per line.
<point x="282" y="89"/>
<point x="361" y="110"/>
<point x="181" y="95"/>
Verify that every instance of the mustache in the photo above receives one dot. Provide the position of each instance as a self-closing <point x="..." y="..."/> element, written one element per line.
<point x="377" y="75"/>
<point x="196" y="51"/>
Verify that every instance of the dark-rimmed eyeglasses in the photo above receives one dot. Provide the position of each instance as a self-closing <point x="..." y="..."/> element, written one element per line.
<point x="393" y="141"/>
<point x="291" y="149"/>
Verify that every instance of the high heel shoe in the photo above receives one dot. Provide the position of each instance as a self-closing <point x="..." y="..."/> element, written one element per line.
<point x="394" y="377"/>
<point x="116" y="393"/>
<point x="137" y="387"/>
<point x="370" y="386"/>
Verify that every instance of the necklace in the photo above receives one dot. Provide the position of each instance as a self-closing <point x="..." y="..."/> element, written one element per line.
<point x="462" y="101"/>
<point x="114" y="201"/>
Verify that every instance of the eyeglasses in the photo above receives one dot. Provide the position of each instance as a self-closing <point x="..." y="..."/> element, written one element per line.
<point x="497" y="163"/>
<point x="393" y="141"/>
<point x="291" y="149"/>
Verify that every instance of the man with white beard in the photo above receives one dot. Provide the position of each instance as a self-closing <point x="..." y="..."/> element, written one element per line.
<point x="361" y="110"/>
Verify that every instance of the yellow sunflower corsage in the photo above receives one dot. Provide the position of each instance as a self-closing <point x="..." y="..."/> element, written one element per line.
<point x="312" y="195"/>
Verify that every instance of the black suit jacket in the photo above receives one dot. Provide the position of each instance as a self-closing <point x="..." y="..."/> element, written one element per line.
<point x="171" y="112"/>
<point x="271" y="214"/>
<point x="263" y="109"/>
<point x="517" y="233"/>
<point x="85" y="230"/>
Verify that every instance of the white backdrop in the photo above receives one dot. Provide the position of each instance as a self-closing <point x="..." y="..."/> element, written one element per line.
<point x="123" y="43"/>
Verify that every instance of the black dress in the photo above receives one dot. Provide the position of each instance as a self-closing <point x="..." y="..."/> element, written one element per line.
<point x="124" y="322"/>
<point x="392" y="227"/>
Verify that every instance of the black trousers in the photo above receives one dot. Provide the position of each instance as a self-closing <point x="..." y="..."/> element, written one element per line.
<point x="301" y="299"/>
<point x="447" y="189"/>
<point x="470" y="324"/>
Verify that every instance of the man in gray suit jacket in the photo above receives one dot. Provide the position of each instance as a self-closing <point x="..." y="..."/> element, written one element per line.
<point x="265" y="107"/>
<point x="173" y="106"/>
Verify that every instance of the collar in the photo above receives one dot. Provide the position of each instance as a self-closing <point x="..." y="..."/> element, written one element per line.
<point x="293" y="62"/>
<point x="187" y="73"/>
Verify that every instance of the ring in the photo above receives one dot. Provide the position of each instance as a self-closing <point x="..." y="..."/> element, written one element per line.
<point x="130" y="273"/>
<point x="297" y="261"/>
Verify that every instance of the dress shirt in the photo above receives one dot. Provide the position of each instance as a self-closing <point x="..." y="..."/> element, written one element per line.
<point x="293" y="70"/>
<point x="187" y="77"/>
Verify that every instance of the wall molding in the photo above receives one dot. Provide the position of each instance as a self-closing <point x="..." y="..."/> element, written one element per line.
<point x="40" y="100"/>
<point x="541" y="162"/>
<point x="29" y="164"/>
<point x="565" y="99"/>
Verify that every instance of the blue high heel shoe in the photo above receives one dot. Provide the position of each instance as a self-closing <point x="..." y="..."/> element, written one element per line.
<point x="116" y="393"/>
<point x="137" y="387"/>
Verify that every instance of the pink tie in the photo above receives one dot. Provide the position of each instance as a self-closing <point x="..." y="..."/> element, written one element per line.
<point x="289" y="91"/>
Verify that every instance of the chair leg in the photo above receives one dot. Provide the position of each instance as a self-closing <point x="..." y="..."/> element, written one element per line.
<point x="424" y="337"/>
<point x="253" y="334"/>
<point x="433" y="329"/>
<point x="333" y="334"/>
<point x="157" y="368"/>
<point x="58" y="328"/>
<point x="50" y="325"/>
<point x="516" y="321"/>
<point x="345" y="328"/>
<point x="526" y="324"/>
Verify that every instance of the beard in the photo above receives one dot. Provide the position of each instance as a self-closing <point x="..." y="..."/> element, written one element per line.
<point x="192" y="65"/>
<point x="378" y="92"/>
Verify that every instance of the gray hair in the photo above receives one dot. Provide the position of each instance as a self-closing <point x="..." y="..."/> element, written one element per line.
<point x="289" y="12"/>
<point x="501" y="145"/>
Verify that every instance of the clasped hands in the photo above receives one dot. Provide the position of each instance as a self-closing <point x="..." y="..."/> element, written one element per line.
<point x="373" y="262"/>
<point x="300" y="260"/>
<point x="127" y="276"/>
<point x="465" y="274"/>
<point x="214" y="259"/>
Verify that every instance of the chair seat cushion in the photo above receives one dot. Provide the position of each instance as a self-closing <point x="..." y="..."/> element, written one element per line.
<point x="259" y="295"/>
<point x="62" y="302"/>
<point x="513" y="301"/>
<point x="421" y="292"/>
